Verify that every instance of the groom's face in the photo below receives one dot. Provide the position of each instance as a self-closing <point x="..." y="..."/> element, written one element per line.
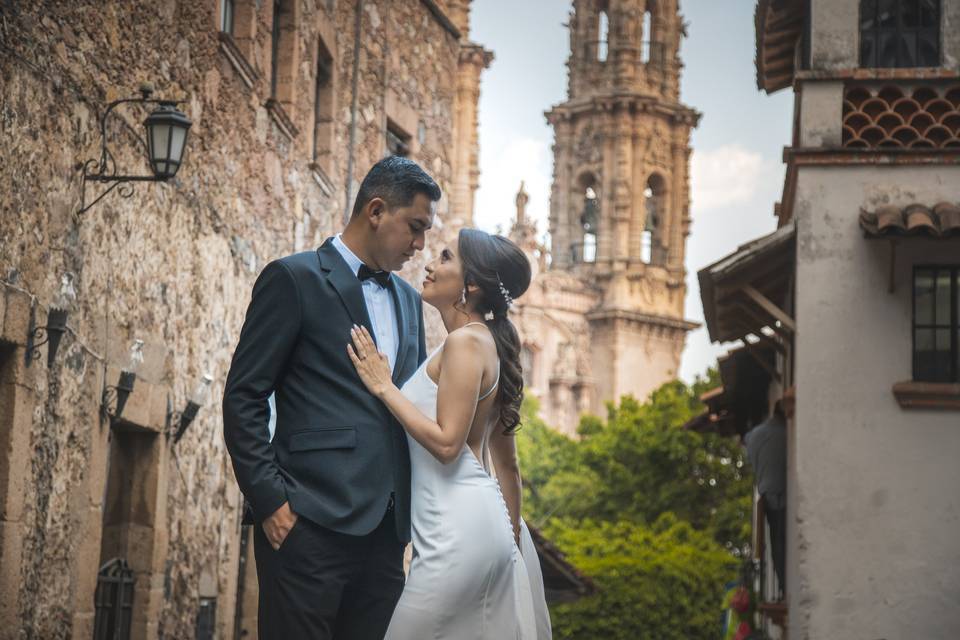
<point x="401" y="232"/>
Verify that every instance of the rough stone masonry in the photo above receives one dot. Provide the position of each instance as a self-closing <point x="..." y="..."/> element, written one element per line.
<point x="265" y="174"/>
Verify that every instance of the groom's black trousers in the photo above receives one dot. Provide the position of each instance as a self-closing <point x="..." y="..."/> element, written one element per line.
<point x="324" y="585"/>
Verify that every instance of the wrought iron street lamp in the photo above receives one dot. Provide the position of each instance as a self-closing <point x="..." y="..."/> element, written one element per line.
<point x="166" y="141"/>
<point x="124" y="387"/>
<point x="51" y="333"/>
<point x="167" y="131"/>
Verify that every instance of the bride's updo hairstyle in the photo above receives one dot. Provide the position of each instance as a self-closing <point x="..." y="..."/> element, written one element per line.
<point x="501" y="271"/>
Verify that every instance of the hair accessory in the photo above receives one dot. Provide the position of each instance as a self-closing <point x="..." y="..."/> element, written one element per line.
<point x="488" y="316"/>
<point x="504" y="292"/>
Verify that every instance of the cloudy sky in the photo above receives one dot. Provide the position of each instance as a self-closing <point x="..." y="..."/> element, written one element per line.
<point x="736" y="167"/>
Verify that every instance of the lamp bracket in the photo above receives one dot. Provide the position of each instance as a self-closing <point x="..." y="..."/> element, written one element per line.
<point x="105" y="169"/>
<point x="36" y="338"/>
<point x="49" y="334"/>
<point x="108" y="397"/>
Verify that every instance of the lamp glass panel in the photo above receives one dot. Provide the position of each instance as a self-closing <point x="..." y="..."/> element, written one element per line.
<point x="160" y="134"/>
<point x="179" y="135"/>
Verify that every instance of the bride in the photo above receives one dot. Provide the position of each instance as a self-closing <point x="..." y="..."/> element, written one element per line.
<point x="475" y="573"/>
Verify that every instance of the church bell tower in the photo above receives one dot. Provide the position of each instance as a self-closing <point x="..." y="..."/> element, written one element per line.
<point x="619" y="206"/>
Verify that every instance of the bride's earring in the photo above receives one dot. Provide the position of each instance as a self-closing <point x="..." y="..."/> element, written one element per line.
<point x="463" y="296"/>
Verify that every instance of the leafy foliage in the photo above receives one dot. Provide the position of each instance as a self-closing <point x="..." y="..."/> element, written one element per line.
<point x="662" y="582"/>
<point x="655" y="514"/>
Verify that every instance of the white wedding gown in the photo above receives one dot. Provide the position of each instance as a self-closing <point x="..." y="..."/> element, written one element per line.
<point x="468" y="580"/>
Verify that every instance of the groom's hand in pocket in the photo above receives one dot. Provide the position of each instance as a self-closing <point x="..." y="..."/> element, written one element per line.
<point x="279" y="524"/>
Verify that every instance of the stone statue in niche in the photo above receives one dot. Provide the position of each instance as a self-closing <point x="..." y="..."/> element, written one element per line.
<point x="583" y="367"/>
<point x="565" y="366"/>
<point x="589" y="149"/>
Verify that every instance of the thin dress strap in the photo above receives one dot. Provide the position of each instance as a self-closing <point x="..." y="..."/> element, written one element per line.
<point x="495" y="382"/>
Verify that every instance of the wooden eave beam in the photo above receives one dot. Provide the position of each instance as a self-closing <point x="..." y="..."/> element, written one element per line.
<point x="784" y="64"/>
<point x="761" y="322"/>
<point x="779" y="49"/>
<point x="779" y="37"/>
<point x="777" y="82"/>
<point x="785" y="18"/>
<point x="769" y="341"/>
<point x="764" y="303"/>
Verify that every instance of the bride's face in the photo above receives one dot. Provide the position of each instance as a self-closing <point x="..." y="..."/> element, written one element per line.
<point x="443" y="285"/>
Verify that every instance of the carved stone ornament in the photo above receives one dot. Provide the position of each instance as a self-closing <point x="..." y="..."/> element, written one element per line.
<point x="589" y="149"/>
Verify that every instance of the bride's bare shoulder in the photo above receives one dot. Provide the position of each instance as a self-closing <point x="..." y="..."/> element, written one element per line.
<point x="467" y="343"/>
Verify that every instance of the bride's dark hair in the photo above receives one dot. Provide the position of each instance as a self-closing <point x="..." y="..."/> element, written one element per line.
<point x="499" y="268"/>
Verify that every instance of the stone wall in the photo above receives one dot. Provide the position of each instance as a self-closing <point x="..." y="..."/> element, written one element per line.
<point x="173" y="264"/>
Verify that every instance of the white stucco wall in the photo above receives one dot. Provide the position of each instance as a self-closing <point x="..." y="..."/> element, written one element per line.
<point x="874" y="534"/>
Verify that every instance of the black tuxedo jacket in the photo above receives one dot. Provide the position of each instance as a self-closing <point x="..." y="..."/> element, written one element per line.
<point x="337" y="454"/>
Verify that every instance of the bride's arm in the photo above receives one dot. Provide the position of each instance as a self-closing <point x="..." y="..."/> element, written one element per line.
<point x="503" y="451"/>
<point x="461" y="372"/>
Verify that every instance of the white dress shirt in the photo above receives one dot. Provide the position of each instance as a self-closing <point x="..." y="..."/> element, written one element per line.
<point x="380" y="307"/>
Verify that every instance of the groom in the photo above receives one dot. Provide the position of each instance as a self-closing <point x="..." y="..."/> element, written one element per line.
<point x="331" y="493"/>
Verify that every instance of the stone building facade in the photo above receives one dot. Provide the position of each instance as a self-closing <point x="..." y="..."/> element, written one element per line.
<point x="291" y="102"/>
<point x="606" y="318"/>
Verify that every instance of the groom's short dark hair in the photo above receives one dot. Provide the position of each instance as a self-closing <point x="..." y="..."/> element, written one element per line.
<point x="397" y="180"/>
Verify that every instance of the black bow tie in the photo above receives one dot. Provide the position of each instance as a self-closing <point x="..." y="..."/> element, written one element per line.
<point x="382" y="277"/>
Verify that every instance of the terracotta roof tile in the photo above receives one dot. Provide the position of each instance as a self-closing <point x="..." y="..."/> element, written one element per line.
<point x="942" y="221"/>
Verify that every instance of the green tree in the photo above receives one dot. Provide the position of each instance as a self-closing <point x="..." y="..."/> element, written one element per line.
<point x="663" y="582"/>
<point x="654" y="514"/>
<point x="638" y="464"/>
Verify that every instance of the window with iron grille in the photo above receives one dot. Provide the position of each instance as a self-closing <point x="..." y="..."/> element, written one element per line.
<point x="207" y="619"/>
<point x="113" y="601"/>
<point x="899" y="33"/>
<point x="936" y="333"/>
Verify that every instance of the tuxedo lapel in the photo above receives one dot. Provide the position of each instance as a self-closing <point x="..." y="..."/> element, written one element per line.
<point x="346" y="284"/>
<point x="399" y="303"/>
